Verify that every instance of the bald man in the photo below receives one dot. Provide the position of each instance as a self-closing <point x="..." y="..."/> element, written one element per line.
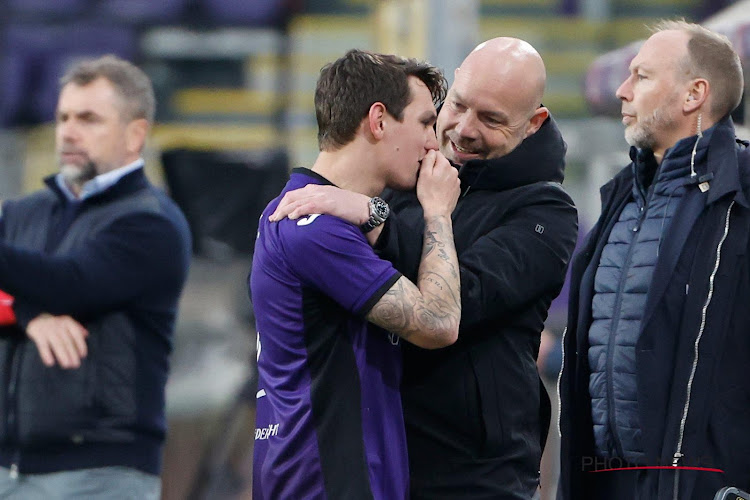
<point x="476" y="414"/>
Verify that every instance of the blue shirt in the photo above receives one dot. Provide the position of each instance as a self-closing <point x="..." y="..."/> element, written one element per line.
<point x="98" y="184"/>
<point x="329" y="422"/>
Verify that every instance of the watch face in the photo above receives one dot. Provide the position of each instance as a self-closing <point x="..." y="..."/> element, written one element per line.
<point x="380" y="208"/>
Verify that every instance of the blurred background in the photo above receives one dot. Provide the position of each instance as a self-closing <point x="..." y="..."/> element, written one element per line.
<point x="234" y="81"/>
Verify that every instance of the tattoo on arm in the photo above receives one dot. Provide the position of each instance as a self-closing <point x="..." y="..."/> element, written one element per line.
<point x="427" y="312"/>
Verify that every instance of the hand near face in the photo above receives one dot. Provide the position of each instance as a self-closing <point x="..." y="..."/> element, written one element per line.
<point x="438" y="187"/>
<point x="60" y="340"/>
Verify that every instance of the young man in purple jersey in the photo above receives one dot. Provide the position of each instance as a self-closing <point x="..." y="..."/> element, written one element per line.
<point x="329" y="420"/>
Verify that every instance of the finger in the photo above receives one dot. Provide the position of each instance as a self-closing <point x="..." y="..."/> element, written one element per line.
<point x="71" y="347"/>
<point x="78" y="336"/>
<point x="276" y="215"/>
<point x="287" y="208"/>
<point x="297" y="210"/>
<point x="304" y="209"/>
<point x="427" y="167"/>
<point x="443" y="164"/>
<point x="44" y="352"/>
<point x="429" y="159"/>
<point x="62" y="348"/>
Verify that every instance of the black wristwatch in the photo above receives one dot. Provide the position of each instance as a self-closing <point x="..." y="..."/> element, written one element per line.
<point x="379" y="211"/>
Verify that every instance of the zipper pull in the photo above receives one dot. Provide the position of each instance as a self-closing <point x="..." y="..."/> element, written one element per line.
<point x="676" y="459"/>
<point x="14" y="471"/>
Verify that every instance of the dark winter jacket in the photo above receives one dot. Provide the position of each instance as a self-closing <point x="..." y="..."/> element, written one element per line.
<point x="621" y="285"/>
<point x="476" y="414"/>
<point x="690" y="358"/>
<point x="116" y="262"/>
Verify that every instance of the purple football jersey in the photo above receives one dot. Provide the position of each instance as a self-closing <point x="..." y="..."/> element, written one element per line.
<point x="329" y="422"/>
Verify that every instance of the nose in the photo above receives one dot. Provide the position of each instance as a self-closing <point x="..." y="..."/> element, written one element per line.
<point x="624" y="91"/>
<point x="431" y="141"/>
<point x="466" y="126"/>
<point x="66" y="131"/>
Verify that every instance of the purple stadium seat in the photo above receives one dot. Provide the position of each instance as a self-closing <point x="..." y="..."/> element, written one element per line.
<point x="250" y="13"/>
<point x="45" y="9"/>
<point x="142" y="12"/>
<point x="45" y="51"/>
<point x="12" y="89"/>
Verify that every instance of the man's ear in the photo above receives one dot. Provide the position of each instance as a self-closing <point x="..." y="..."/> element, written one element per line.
<point x="537" y="119"/>
<point x="135" y="135"/>
<point x="376" y="120"/>
<point x="697" y="95"/>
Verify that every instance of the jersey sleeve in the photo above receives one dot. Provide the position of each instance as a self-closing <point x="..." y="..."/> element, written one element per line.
<point x="333" y="257"/>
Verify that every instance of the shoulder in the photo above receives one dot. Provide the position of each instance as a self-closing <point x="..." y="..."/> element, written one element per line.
<point x="743" y="166"/>
<point x="147" y="216"/>
<point x="29" y="209"/>
<point x="539" y="194"/>
<point x="319" y="231"/>
<point x="149" y="201"/>
<point x="37" y="199"/>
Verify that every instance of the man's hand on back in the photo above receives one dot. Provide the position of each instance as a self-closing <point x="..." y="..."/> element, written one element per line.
<point x="330" y="200"/>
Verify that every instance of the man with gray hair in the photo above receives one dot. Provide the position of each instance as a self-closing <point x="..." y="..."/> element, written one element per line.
<point x="95" y="263"/>
<point x="654" y="387"/>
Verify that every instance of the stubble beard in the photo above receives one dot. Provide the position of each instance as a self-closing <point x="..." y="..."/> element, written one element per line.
<point x="642" y="134"/>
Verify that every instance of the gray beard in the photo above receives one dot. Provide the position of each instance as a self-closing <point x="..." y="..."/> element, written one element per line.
<point x="641" y="135"/>
<point x="77" y="176"/>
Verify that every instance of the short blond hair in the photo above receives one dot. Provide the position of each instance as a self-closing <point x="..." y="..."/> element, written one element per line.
<point x="710" y="56"/>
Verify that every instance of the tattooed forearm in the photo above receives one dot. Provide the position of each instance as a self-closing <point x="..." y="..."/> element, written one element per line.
<point x="430" y="242"/>
<point x="429" y="312"/>
<point x="393" y="311"/>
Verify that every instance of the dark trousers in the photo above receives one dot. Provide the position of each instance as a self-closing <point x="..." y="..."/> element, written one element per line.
<point x="620" y="485"/>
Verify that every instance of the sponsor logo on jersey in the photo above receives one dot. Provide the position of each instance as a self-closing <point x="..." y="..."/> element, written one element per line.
<point x="264" y="433"/>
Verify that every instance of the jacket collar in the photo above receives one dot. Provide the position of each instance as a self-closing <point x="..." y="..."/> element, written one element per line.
<point x="127" y="184"/>
<point x="539" y="158"/>
<point x="722" y="163"/>
<point x="721" y="168"/>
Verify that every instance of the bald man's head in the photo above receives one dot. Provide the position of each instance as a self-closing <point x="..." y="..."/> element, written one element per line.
<point x="494" y="102"/>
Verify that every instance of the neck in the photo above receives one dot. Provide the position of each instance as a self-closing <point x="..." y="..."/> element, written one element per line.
<point x="659" y="156"/>
<point x="75" y="188"/>
<point x="694" y="127"/>
<point x="351" y="169"/>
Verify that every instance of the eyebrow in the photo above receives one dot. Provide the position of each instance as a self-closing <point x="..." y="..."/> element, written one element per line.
<point x="495" y="115"/>
<point x="455" y="94"/>
<point x="83" y="114"/>
<point x="428" y="116"/>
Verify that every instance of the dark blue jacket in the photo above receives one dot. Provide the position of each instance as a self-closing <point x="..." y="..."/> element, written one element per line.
<point x="621" y="285"/>
<point x="116" y="262"/>
<point x="691" y="356"/>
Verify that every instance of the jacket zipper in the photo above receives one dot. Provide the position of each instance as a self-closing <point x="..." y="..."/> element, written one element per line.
<point x="678" y="453"/>
<point x="615" y="324"/>
<point x="559" y="384"/>
<point x="12" y="422"/>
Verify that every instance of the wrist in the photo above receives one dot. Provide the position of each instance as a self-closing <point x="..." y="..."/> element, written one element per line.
<point x="378" y="211"/>
<point x="429" y="214"/>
